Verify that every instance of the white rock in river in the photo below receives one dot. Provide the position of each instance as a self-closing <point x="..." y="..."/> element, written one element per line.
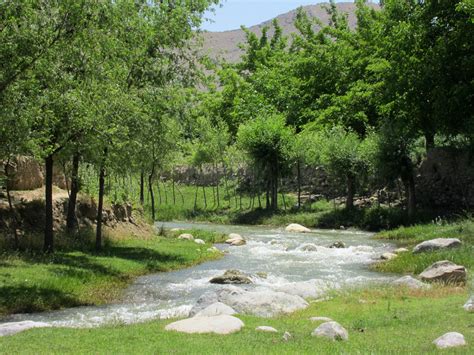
<point x="216" y="309"/>
<point x="320" y="319"/>
<point x="204" y="301"/>
<point x="307" y="247"/>
<point x="400" y="250"/>
<point x="199" y="241"/>
<point x="17" y="327"/>
<point x="450" y="340"/>
<point x="264" y="328"/>
<point x="410" y="282"/>
<point x="436" y="244"/>
<point x="469" y="306"/>
<point x="261" y="302"/>
<point x="331" y="330"/>
<point x="223" y="324"/>
<point x="235" y="240"/>
<point x="297" y="228"/>
<point x="444" y="271"/>
<point x="186" y="236"/>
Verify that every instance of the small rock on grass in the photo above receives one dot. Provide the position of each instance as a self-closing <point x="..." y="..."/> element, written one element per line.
<point x="287" y="336"/>
<point x="410" y="282"/>
<point x="400" y="250"/>
<point x="199" y="241"/>
<point x="223" y="324"/>
<point x="264" y="328"/>
<point x="320" y="319"/>
<point x="469" y="306"/>
<point x="331" y="330"/>
<point x="450" y="340"/>
<point x="446" y="272"/>
<point x="186" y="236"/>
<point x="436" y="244"/>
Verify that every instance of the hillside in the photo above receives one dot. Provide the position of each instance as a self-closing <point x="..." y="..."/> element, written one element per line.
<point x="225" y="44"/>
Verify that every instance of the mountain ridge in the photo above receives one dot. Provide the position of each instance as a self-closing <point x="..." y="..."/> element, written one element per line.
<point x="225" y="44"/>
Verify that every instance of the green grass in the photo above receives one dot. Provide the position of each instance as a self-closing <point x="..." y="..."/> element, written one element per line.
<point x="382" y="321"/>
<point x="32" y="282"/>
<point x="416" y="263"/>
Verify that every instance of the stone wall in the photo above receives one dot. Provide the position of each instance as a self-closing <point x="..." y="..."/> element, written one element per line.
<point x="445" y="179"/>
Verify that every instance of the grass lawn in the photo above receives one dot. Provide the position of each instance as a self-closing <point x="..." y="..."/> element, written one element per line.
<point x="416" y="263"/>
<point x="379" y="321"/>
<point x="32" y="282"/>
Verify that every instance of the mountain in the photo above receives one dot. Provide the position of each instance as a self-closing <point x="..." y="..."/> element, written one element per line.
<point x="225" y="44"/>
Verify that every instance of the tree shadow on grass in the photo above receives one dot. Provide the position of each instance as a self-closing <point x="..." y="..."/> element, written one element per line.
<point x="27" y="299"/>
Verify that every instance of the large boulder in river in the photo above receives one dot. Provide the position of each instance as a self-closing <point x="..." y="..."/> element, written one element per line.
<point x="410" y="282"/>
<point x="223" y="324"/>
<point x="437" y="244"/>
<point x="331" y="330"/>
<point x="337" y="245"/>
<point x="216" y="309"/>
<point x="235" y="240"/>
<point x="261" y="302"/>
<point x="450" y="340"/>
<point x="297" y="228"/>
<point x="231" y="277"/>
<point x="446" y="272"/>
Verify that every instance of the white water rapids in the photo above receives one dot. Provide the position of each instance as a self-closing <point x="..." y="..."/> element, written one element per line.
<point x="293" y="263"/>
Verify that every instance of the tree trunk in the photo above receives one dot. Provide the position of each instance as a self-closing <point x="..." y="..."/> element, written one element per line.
<point x="174" y="194"/>
<point x="298" y="170"/>
<point x="11" y="208"/>
<point x="100" y="207"/>
<point x="142" y="187"/>
<point x="48" y="225"/>
<point x="204" y="194"/>
<point x="152" y="195"/>
<point x="429" y="141"/>
<point x="159" y="191"/>
<point x="350" y="191"/>
<point x="411" y="196"/>
<point x="217" y="187"/>
<point x="71" y="220"/>
<point x="196" y="197"/>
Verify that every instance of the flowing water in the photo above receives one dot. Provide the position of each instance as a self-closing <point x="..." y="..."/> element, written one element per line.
<point x="285" y="261"/>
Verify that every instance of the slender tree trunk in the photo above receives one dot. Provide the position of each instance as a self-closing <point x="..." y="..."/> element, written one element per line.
<point x="350" y="191"/>
<point x="174" y="194"/>
<point x="48" y="246"/>
<point x="259" y="201"/>
<point x="298" y="170"/>
<point x="226" y="184"/>
<point x="100" y="207"/>
<point x="217" y="186"/>
<point x="165" y="193"/>
<point x="142" y="187"/>
<point x="181" y="194"/>
<point x="11" y="208"/>
<point x="204" y="194"/>
<point x="267" y="200"/>
<point x="152" y="195"/>
<point x="196" y="197"/>
<point x="429" y="141"/>
<point x="71" y="220"/>
<point x="411" y="196"/>
<point x="159" y="192"/>
<point x="284" y="201"/>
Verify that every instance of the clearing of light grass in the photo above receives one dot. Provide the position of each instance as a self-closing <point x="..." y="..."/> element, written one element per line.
<point x="379" y="321"/>
<point x="33" y="282"/>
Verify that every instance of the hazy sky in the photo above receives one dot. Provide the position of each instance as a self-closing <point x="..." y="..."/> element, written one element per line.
<point x="235" y="13"/>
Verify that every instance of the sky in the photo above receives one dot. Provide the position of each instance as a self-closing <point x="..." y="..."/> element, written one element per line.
<point x="234" y="13"/>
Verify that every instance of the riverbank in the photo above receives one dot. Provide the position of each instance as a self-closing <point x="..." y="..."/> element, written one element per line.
<point x="379" y="320"/>
<point x="34" y="282"/>
<point x="408" y="237"/>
